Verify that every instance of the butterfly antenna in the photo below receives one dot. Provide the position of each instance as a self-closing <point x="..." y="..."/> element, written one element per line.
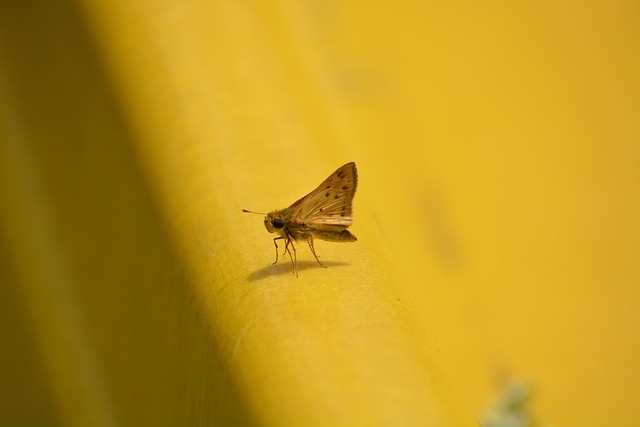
<point x="258" y="213"/>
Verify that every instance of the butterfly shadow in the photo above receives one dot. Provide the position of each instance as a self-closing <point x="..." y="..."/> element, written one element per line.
<point x="286" y="268"/>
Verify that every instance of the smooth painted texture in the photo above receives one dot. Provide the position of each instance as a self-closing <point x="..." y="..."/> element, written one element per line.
<point x="497" y="211"/>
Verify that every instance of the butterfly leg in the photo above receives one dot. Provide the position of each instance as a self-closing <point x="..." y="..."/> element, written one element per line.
<point x="294" y="257"/>
<point x="313" y="251"/>
<point x="276" y="245"/>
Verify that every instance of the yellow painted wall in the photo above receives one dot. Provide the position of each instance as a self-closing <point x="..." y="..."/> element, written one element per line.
<point x="497" y="211"/>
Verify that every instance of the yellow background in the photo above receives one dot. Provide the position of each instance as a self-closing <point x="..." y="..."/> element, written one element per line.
<point x="498" y="147"/>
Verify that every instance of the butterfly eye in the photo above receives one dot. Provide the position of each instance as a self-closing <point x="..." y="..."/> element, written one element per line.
<point x="278" y="223"/>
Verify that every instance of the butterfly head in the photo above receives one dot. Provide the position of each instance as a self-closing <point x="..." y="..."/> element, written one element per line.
<point x="273" y="222"/>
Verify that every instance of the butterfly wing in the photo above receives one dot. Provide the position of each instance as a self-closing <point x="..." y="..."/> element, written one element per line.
<point x="330" y="205"/>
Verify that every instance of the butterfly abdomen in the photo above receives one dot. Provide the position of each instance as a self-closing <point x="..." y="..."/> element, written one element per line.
<point x="336" y="236"/>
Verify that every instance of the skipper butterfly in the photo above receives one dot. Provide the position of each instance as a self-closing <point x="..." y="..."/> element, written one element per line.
<point x="325" y="214"/>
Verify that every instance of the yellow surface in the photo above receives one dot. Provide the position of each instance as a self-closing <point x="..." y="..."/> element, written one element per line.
<point x="497" y="212"/>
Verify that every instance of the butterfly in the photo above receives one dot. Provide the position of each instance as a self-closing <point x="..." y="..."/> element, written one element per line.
<point x="325" y="214"/>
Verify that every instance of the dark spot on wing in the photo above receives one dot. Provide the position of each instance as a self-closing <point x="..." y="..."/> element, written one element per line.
<point x="344" y="187"/>
<point x="327" y="194"/>
<point x="343" y="214"/>
<point x="320" y="210"/>
<point x="343" y="208"/>
<point x="336" y="196"/>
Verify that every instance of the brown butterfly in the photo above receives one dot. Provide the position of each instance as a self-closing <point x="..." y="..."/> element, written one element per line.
<point x="325" y="213"/>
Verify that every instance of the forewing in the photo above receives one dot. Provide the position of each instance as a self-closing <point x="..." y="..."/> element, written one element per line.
<point x="330" y="203"/>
